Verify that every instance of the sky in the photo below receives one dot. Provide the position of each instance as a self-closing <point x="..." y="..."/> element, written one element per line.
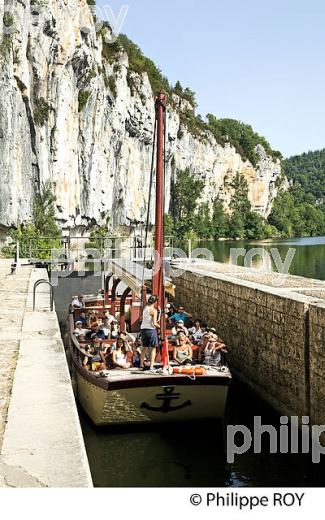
<point x="259" y="61"/>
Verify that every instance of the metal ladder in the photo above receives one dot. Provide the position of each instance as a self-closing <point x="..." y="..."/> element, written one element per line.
<point x="36" y="284"/>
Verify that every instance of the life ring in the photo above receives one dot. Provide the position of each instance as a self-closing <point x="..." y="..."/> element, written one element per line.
<point x="189" y="371"/>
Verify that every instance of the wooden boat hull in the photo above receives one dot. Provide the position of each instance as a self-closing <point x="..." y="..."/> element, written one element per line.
<point x="169" y="400"/>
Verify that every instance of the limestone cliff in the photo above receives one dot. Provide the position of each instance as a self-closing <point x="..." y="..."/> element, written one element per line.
<point x="70" y="116"/>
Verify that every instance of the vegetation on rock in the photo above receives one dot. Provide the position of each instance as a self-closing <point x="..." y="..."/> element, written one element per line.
<point x="42" y="235"/>
<point x="190" y="218"/>
<point x="41" y="111"/>
<point x="83" y="97"/>
<point x="241" y="136"/>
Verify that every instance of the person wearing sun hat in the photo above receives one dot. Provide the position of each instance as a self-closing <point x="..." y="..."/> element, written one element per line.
<point x="79" y="329"/>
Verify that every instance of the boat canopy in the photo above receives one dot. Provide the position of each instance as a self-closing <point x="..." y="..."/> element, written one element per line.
<point x="134" y="275"/>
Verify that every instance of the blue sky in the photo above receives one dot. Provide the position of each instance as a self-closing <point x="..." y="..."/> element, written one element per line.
<point x="262" y="62"/>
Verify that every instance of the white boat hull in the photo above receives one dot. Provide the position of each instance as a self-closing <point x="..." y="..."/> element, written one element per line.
<point x="167" y="402"/>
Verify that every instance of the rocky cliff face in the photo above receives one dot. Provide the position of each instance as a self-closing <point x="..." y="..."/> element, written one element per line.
<point x="96" y="151"/>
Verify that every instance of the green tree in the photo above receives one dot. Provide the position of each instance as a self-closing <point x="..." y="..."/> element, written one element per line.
<point x="185" y="192"/>
<point x="236" y="225"/>
<point x="203" y="225"/>
<point x="41" y="236"/>
<point x="169" y="225"/>
<point x="255" y="226"/>
<point x="283" y="213"/>
<point x="220" y="224"/>
<point x="239" y="200"/>
<point x="178" y="89"/>
<point x="44" y="212"/>
<point x="307" y="171"/>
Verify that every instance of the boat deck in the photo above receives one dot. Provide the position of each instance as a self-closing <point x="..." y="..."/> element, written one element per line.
<point x="136" y="374"/>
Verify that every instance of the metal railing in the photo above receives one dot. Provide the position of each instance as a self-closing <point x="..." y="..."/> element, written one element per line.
<point x="37" y="284"/>
<point x="74" y="247"/>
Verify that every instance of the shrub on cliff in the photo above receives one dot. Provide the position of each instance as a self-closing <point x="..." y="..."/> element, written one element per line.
<point x="241" y="136"/>
<point x="83" y="97"/>
<point x="139" y="63"/>
<point x="41" y="111"/>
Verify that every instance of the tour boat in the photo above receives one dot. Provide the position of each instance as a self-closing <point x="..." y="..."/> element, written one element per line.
<point x="171" y="392"/>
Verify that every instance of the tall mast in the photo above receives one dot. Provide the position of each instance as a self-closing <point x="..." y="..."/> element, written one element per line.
<point x="158" y="277"/>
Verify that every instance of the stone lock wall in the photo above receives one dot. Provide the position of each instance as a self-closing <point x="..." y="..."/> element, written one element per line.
<point x="275" y="338"/>
<point x="317" y="363"/>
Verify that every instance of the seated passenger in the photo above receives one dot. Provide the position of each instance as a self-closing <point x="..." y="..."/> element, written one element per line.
<point x="78" y="302"/>
<point x="98" y="346"/>
<point x="84" y="320"/>
<point x="105" y="327"/>
<point x="180" y="315"/>
<point x="95" y="329"/>
<point x="170" y="310"/>
<point x="212" y="351"/>
<point x="109" y="317"/>
<point x="93" y="360"/>
<point x="79" y="329"/>
<point x="137" y="353"/>
<point x="183" y="352"/>
<point x="202" y="344"/>
<point x="92" y="317"/>
<point x="196" y="332"/>
<point x="115" y="330"/>
<point x="95" y="341"/>
<point x="119" y="355"/>
<point x="180" y="327"/>
<point x="86" y="358"/>
<point x="81" y="338"/>
<point x="128" y="340"/>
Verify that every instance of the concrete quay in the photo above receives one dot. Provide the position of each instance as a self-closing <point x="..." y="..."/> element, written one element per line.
<point x="41" y="443"/>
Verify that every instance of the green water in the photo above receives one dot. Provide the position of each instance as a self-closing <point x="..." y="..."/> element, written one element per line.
<point x="308" y="259"/>
<point x="194" y="454"/>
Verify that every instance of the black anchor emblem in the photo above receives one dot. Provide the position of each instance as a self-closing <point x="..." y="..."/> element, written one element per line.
<point x="167" y="397"/>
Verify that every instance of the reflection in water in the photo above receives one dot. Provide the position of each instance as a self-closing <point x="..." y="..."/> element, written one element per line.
<point x="193" y="454"/>
<point x="308" y="259"/>
<point x="158" y="456"/>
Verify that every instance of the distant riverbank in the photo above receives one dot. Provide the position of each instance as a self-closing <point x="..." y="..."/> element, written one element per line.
<point x="308" y="260"/>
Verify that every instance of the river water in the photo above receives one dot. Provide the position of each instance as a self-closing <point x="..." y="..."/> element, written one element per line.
<point x="308" y="254"/>
<point x="194" y="454"/>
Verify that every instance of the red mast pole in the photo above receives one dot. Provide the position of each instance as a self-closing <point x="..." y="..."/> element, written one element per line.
<point x="158" y="287"/>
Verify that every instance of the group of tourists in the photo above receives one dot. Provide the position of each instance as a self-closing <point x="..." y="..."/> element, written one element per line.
<point x="193" y="342"/>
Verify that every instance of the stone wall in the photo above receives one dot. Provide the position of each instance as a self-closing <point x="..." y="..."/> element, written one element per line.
<point x="275" y="337"/>
<point x="317" y="363"/>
